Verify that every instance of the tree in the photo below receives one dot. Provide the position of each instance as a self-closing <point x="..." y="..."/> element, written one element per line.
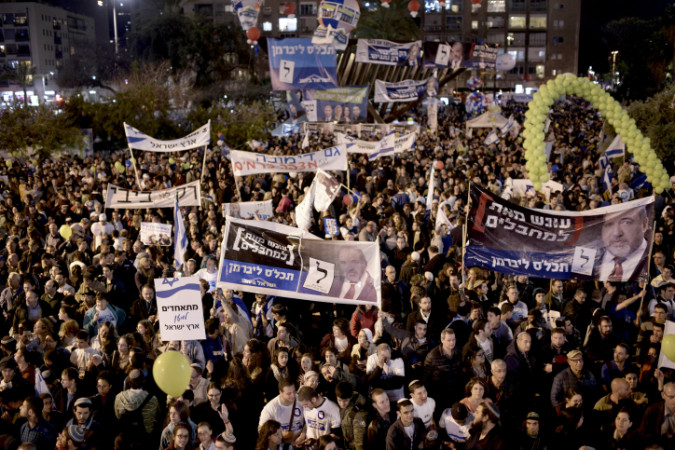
<point x="393" y="23"/>
<point x="39" y="130"/>
<point x="656" y="118"/>
<point x="22" y="75"/>
<point x="238" y="124"/>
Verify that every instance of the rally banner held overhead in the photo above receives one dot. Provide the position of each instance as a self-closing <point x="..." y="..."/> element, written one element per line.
<point x="341" y="104"/>
<point x="379" y="51"/>
<point x="607" y="244"/>
<point x="274" y="259"/>
<point x="362" y="129"/>
<point x="437" y="55"/>
<point x="179" y="309"/>
<point x="337" y="19"/>
<point x="321" y="193"/>
<point x="456" y="55"/>
<point x="156" y="233"/>
<point x="248" y="163"/>
<point x="297" y="64"/>
<point x="386" y="146"/>
<point x="403" y="91"/>
<point x="189" y="194"/>
<point x="141" y="141"/>
<point x="481" y="56"/>
<point x="249" y="210"/>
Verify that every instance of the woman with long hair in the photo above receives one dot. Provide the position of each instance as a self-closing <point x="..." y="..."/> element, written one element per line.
<point x="105" y="341"/>
<point x="147" y="332"/>
<point x="67" y="333"/>
<point x="475" y="364"/>
<point x="178" y="413"/>
<point x="269" y="436"/>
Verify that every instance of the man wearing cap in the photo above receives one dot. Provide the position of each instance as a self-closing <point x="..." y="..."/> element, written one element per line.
<point x="486" y="433"/>
<point x="36" y="430"/>
<point x="665" y="293"/>
<point x="82" y="417"/>
<point x="531" y="436"/>
<point x="574" y="376"/>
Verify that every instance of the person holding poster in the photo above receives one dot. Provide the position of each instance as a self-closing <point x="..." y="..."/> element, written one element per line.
<point x="354" y="282"/>
<point x="626" y="249"/>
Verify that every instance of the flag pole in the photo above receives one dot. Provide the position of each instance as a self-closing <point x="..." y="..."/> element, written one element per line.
<point x="649" y="268"/>
<point x="464" y="233"/>
<point x="206" y="149"/>
<point x="133" y="163"/>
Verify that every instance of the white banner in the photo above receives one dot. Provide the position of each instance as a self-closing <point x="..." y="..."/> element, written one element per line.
<point x="386" y="146"/>
<point x="403" y="91"/>
<point x="400" y="144"/>
<point x="359" y="128"/>
<point x="189" y="194"/>
<point x="141" y="141"/>
<point x="526" y="187"/>
<point x="155" y="233"/>
<point x="249" y="210"/>
<point x="248" y="163"/>
<point x="379" y="51"/>
<point x="179" y="308"/>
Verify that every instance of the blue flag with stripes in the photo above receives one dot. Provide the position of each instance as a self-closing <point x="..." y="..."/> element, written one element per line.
<point x="180" y="241"/>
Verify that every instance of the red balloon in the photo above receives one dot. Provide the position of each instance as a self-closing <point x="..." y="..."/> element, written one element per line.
<point x="253" y="33"/>
<point x="413" y="6"/>
<point x="386" y="1"/>
<point x="289" y="8"/>
<point x="440" y="165"/>
<point x="347" y="199"/>
<point x="476" y="2"/>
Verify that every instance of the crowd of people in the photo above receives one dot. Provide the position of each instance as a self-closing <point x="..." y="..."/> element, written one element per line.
<point x="455" y="357"/>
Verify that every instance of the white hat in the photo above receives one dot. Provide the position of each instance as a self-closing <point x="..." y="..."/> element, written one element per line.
<point x="102" y="217"/>
<point x="415" y="256"/>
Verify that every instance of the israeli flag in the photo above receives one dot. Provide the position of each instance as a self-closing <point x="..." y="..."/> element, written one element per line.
<point x="639" y="182"/>
<point x="179" y="237"/>
<point x="617" y="149"/>
<point x="491" y="138"/>
<point x="607" y="179"/>
<point x="506" y="128"/>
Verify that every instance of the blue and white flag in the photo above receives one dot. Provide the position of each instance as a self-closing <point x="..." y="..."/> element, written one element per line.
<point x="179" y="238"/>
<point x="504" y="130"/>
<point x="640" y="182"/>
<point x="607" y="179"/>
<point x="297" y="64"/>
<point x="491" y="138"/>
<point x="617" y="149"/>
<point x="400" y="145"/>
<point x="403" y="91"/>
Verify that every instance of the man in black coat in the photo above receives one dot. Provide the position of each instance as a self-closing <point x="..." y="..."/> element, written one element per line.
<point x="398" y="437"/>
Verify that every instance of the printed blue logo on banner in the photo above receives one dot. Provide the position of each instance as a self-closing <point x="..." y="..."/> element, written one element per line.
<point x="298" y="64"/>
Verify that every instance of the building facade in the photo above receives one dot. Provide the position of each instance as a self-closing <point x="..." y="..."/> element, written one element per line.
<point x="40" y="38"/>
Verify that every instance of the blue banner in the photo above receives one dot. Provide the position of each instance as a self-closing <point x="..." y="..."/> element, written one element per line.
<point x="379" y="51"/>
<point x="297" y="64"/>
<point x="606" y="244"/>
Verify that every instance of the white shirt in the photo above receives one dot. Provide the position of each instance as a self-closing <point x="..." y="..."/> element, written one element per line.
<point x="425" y="411"/>
<point x="394" y="368"/>
<point x="211" y="278"/>
<point x="322" y="419"/>
<point x="628" y="266"/>
<point x="275" y="410"/>
<point x="456" y="432"/>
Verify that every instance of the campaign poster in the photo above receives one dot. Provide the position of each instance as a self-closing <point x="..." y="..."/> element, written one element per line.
<point x="156" y="234"/>
<point x="606" y="244"/>
<point x="297" y="64"/>
<point x="179" y="309"/>
<point x="274" y="259"/>
<point x="342" y="104"/>
<point x="388" y="53"/>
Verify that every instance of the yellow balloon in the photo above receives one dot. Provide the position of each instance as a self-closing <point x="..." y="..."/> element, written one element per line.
<point x="172" y="373"/>
<point x="65" y="231"/>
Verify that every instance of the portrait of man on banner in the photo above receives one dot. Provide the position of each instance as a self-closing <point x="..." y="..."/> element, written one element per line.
<point x="353" y="281"/>
<point x="625" y="250"/>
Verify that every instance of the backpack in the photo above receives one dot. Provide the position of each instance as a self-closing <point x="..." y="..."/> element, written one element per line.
<point x="132" y="421"/>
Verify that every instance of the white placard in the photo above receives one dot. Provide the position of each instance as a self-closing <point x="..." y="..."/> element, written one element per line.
<point x="179" y="306"/>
